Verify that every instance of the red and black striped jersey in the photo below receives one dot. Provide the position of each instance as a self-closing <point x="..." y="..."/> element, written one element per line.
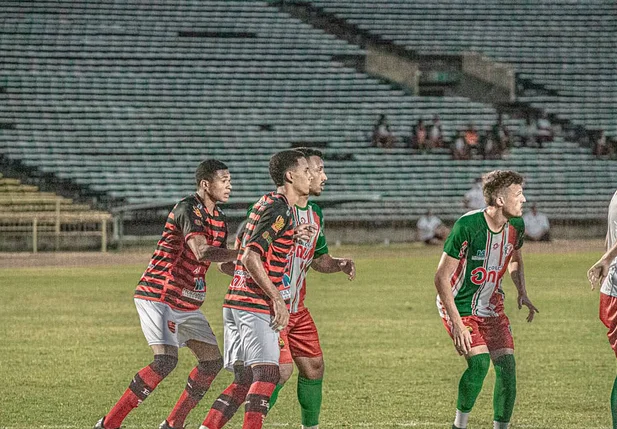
<point x="174" y="275"/>
<point x="269" y="232"/>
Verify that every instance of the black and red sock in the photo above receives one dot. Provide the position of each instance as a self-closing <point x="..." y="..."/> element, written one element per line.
<point x="265" y="378"/>
<point x="196" y="387"/>
<point x="230" y="400"/>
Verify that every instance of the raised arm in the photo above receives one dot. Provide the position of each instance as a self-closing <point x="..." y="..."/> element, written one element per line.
<point x="517" y="273"/>
<point x="445" y="269"/>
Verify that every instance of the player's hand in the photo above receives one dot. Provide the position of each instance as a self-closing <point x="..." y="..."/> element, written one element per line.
<point x="597" y="273"/>
<point x="304" y="232"/>
<point x="462" y="338"/>
<point x="347" y="266"/>
<point x="524" y="300"/>
<point x="281" y="315"/>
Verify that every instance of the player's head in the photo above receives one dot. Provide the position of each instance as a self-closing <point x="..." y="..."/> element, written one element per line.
<point x="314" y="157"/>
<point x="504" y="189"/>
<point x="289" y="167"/>
<point x="214" y="180"/>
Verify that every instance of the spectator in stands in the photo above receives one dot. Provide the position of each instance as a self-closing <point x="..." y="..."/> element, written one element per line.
<point x="382" y="136"/>
<point x="459" y="148"/>
<point x="489" y="146"/>
<point x="544" y="131"/>
<point x="501" y="134"/>
<point x="431" y="229"/>
<point x="472" y="140"/>
<point x="527" y="132"/>
<point x="601" y="148"/>
<point x="419" y="136"/>
<point x="537" y="227"/>
<point x="435" y="134"/>
<point x="474" y="197"/>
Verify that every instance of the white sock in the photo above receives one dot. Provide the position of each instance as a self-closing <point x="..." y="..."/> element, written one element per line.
<point x="500" y="425"/>
<point x="310" y="427"/>
<point x="461" y="419"/>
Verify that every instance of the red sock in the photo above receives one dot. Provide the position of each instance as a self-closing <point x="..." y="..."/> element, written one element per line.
<point x="144" y="382"/>
<point x="230" y="400"/>
<point x="265" y="378"/>
<point x="198" y="383"/>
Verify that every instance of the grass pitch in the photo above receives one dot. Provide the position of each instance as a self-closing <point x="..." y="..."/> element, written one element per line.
<point x="71" y="343"/>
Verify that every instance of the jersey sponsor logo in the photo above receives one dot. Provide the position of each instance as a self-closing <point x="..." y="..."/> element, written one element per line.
<point x="480" y="275"/>
<point x="496" y="245"/>
<point x="239" y="280"/>
<point x="172" y="326"/>
<point x="479" y="256"/>
<point x="461" y="253"/>
<point x="286" y="294"/>
<point x="197" y="212"/>
<point x="266" y="236"/>
<point x="197" y="296"/>
<point x="200" y="284"/>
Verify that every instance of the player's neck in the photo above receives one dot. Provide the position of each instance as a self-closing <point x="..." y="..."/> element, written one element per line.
<point x="302" y="201"/>
<point x="495" y="218"/>
<point x="293" y="198"/>
<point x="206" y="200"/>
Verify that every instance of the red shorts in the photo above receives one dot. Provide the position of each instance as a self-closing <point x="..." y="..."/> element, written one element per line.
<point x="608" y="316"/>
<point x="492" y="332"/>
<point x="299" y="338"/>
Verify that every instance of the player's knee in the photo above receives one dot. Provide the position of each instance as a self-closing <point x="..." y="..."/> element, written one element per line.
<point x="266" y="373"/>
<point x="479" y="365"/>
<point x="285" y="370"/>
<point x="243" y="375"/>
<point x="163" y="365"/>
<point x="312" y="369"/>
<point x="211" y="366"/>
<point x="506" y="364"/>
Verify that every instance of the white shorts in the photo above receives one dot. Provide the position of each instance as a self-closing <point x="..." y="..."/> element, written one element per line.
<point x="249" y="338"/>
<point x="162" y="324"/>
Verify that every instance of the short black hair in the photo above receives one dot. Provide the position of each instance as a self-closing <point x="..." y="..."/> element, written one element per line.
<point x="207" y="169"/>
<point x="281" y="163"/>
<point x="310" y="151"/>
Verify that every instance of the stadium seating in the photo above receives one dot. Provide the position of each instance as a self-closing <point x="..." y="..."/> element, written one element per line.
<point x="126" y="99"/>
<point x="566" y="47"/>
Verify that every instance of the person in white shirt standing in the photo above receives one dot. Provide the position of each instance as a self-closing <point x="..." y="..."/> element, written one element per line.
<point x="604" y="272"/>
<point x="474" y="197"/>
<point x="431" y="229"/>
<point x="537" y="226"/>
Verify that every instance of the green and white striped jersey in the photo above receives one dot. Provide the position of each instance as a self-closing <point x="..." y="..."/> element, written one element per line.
<point x="483" y="260"/>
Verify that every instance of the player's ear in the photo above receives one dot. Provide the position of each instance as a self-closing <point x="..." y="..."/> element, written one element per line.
<point x="289" y="176"/>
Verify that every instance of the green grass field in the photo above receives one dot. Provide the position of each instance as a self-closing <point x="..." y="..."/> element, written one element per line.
<point x="71" y="342"/>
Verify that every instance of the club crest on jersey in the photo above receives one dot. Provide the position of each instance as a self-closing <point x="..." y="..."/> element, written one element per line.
<point x="197" y="211"/>
<point x="508" y="249"/>
<point x="172" y="326"/>
<point x="278" y="224"/>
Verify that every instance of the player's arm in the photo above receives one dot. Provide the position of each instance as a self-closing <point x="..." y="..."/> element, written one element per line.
<point x="251" y="260"/>
<point x="445" y="269"/>
<point x="517" y="273"/>
<point x="599" y="270"/>
<point x="205" y="252"/>
<point x="327" y="264"/>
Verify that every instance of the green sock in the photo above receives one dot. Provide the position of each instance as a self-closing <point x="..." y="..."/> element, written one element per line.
<point x="309" y="396"/>
<point x="275" y="395"/>
<point x="471" y="382"/>
<point x="505" y="388"/>
<point x="614" y="404"/>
